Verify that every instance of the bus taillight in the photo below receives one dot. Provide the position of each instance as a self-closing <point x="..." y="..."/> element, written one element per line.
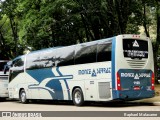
<point x="118" y="82"/>
<point x="152" y="82"/>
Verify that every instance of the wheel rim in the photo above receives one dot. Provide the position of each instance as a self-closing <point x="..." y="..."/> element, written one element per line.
<point x="23" y="96"/>
<point x="78" y="97"/>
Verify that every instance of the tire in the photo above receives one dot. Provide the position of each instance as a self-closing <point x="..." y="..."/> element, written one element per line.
<point x="23" y="97"/>
<point x="78" y="98"/>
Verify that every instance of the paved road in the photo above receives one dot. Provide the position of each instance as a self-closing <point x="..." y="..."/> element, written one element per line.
<point x="11" y="105"/>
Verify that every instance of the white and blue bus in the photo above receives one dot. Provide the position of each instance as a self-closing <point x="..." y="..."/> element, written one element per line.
<point x="117" y="68"/>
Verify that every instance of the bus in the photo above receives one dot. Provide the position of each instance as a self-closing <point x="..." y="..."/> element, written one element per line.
<point x="3" y="80"/>
<point x="116" y="68"/>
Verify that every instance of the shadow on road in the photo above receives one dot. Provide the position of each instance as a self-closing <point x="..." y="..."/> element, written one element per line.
<point x="115" y="104"/>
<point x="123" y="104"/>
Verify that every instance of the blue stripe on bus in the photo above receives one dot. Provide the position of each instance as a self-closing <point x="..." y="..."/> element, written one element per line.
<point x="65" y="81"/>
<point x="56" y="86"/>
<point x="113" y="62"/>
<point x="40" y="74"/>
<point x="114" y="93"/>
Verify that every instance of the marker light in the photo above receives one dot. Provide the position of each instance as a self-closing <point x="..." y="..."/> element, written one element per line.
<point x="152" y="82"/>
<point x="118" y="82"/>
<point x="136" y="36"/>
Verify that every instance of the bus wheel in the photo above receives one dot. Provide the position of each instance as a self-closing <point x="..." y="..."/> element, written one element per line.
<point x="23" y="97"/>
<point x="78" y="98"/>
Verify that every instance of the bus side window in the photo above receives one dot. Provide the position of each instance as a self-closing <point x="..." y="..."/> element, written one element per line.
<point x="18" y="63"/>
<point x="65" y="56"/>
<point x="41" y="59"/>
<point x="33" y="61"/>
<point x="18" y="67"/>
<point x="85" y="54"/>
<point x="47" y="59"/>
<point x="104" y="52"/>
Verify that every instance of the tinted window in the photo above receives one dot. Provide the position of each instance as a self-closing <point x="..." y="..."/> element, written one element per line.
<point x="34" y="61"/>
<point x="133" y="48"/>
<point x="19" y="62"/>
<point x="41" y="59"/>
<point x="65" y="56"/>
<point x="47" y="58"/>
<point x="104" y="52"/>
<point x="50" y="58"/>
<point x="17" y="67"/>
<point x="85" y="53"/>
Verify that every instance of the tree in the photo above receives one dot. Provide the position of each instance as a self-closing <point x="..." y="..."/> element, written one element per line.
<point x="9" y="30"/>
<point x="41" y="24"/>
<point x="157" y="43"/>
<point x="3" y="46"/>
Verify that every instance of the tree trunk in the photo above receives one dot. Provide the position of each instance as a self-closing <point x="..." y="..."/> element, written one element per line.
<point x="144" y="21"/>
<point x="4" y="50"/>
<point x="15" y="37"/>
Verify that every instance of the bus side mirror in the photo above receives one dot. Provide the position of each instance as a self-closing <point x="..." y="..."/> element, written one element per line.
<point x="7" y="66"/>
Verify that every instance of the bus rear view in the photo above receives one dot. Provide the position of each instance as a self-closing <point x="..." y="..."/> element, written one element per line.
<point x="133" y="64"/>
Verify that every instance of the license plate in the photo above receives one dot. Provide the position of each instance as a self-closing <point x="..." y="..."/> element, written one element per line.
<point x="136" y="88"/>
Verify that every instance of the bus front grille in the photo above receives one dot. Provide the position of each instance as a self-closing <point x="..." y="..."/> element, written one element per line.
<point x="136" y="63"/>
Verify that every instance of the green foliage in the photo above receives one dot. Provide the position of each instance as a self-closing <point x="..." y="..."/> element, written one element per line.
<point x="41" y="24"/>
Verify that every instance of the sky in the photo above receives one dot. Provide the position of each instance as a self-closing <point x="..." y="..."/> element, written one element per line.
<point x="2" y="0"/>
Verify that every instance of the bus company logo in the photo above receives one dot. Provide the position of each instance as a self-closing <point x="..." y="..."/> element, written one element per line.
<point x="135" y="44"/>
<point x="94" y="72"/>
<point x="136" y="76"/>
